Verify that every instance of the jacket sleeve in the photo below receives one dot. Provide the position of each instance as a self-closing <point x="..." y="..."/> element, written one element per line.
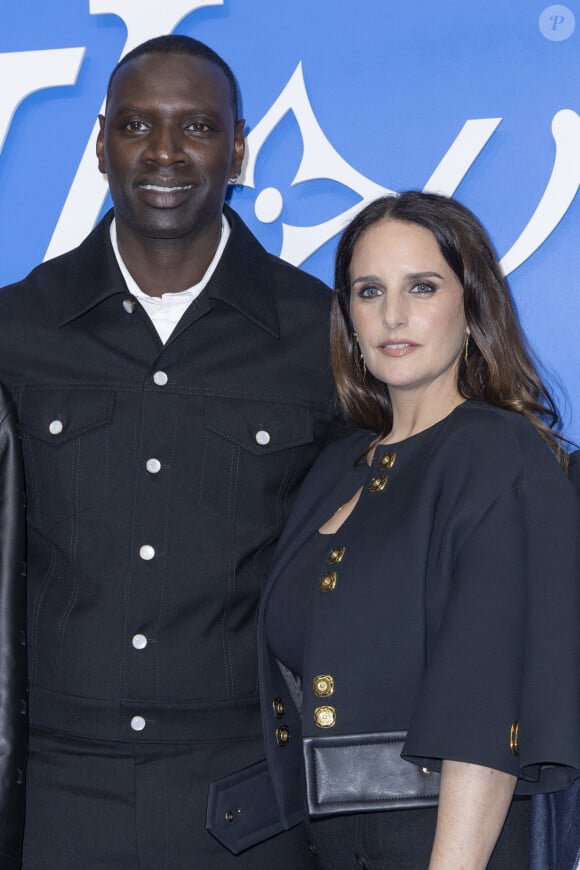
<point x="501" y="685"/>
<point x="13" y="701"/>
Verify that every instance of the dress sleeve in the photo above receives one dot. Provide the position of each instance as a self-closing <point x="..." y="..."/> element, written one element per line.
<point x="502" y="683"/>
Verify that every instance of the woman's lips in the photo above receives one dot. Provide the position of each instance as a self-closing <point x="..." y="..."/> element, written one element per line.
<point x="397" y="348"/>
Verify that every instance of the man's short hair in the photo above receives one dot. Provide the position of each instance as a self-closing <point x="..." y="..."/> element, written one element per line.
<point x="177" y="44"/>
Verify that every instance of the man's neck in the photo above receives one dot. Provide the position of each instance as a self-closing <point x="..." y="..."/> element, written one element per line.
<point x="167" y="265"/>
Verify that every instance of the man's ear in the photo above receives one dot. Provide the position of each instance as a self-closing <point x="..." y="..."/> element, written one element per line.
<point x="100" y="148"/>
<point x="239" y="147"/>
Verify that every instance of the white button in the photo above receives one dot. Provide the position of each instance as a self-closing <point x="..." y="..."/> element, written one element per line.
<point x="262" y="437"/>
<point x="147" y="552"/>
<point x="129" y="305"/>
<point x="160" y="378"/>
<point x="138" y="723"/>
<point x="139" y="641"/>
<point x="55" y="427"/>
<point x="153" y="466"/>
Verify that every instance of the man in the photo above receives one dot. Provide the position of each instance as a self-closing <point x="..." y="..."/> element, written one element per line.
<point x="173" y="389"/>
<point x="12" y="636"/>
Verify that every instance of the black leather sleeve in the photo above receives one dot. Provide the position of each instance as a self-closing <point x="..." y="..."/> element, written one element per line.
<point x="13" y="701"/>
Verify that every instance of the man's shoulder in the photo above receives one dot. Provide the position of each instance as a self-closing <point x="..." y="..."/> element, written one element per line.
<point x="289" y="282"/>
<point x="294" y="277"/>
<point x="55" y="272"/>
<point x="21" y="299"/>
<point x="300" y="297"/>
<point x="43" y="273"/>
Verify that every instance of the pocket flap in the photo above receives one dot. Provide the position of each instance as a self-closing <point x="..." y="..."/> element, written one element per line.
<point x="260" y="427"/>
<point x="56" y="416"/>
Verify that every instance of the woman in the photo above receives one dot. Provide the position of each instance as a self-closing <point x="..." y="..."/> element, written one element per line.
<point x="424" y="592"/>
<point x="13" y="713"/>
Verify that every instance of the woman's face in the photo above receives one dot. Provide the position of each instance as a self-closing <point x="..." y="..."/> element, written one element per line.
<point x="406" y="305"/>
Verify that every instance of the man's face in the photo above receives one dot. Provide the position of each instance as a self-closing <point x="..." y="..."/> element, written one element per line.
<point x="168" y="145"/>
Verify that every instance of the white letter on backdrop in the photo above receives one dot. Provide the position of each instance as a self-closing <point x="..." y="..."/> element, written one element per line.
<point x="24" y="72"/>
<point x="558" y="195"/>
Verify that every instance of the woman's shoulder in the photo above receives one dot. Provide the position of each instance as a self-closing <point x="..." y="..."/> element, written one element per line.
<point x="508" y="433"/>
<point x="484" y="451"/>
<point x="490" y="419"/>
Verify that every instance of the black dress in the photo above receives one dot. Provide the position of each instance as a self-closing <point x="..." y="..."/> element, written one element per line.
<point x="476" y="621"/>
<point x="397" y="840"/>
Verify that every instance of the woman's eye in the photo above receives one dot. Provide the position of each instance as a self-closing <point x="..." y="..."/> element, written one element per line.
<point x="423" y="288"/>
<point x="370" y="292"/>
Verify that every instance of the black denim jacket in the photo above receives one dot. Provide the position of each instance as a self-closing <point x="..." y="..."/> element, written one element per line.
<point x="144" y="576"/>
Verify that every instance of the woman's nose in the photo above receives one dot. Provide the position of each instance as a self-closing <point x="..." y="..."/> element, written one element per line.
<point x="393" y="310"/>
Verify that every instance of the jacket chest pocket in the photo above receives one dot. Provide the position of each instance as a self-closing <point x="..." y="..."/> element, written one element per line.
<point x="254" y="454"/>
<point x="66" y="448"/>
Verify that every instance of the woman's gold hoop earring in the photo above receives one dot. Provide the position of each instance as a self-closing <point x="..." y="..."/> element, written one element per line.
<point x="466" y="351"/>
<point x="361" y="365"/>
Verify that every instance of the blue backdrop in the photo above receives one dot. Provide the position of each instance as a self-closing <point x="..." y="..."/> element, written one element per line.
<point x="343" y="101"/>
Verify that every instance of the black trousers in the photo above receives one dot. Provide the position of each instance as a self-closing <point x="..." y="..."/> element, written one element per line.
<point x="116" y="806"/>
<point x="402" y="840"/>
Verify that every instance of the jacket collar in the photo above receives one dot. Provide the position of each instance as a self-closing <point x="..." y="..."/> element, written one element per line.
<point x="244" y="278"/>
<point x="93" y="275"/>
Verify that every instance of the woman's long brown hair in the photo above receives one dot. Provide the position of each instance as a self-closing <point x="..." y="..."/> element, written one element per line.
<point x="499" y="368"/>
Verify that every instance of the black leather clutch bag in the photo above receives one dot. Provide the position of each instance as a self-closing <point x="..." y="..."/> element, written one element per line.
<point x="362" y="773"/>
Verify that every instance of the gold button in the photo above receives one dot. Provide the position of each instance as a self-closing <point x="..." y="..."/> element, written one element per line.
<point x="323" y="685"/>
<point x="328" y="581"/>
<point x="387" y="460"/>
<point x="282" y="735"/>
<point x="278" y="707"/>
<point x="426" y="771"/>
<point x="377" y="484"/>
<point x="335" y="556"/>
<point x="325" y="717"/>
<point x="514" y="734"/>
